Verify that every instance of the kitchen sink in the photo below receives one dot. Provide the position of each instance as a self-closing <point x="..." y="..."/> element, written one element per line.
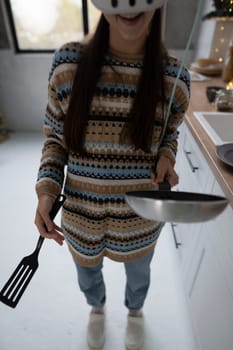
<point x="218" y="126"/>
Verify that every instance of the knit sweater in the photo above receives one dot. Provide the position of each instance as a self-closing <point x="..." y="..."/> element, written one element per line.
<point x="96" y="219"/>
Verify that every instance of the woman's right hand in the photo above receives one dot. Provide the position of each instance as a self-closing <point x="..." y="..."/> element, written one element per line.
<point x="46" y="227"/>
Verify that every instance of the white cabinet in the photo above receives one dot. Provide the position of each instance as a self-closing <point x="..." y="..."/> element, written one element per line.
<point x="222" y="228"/>
<point x="209" y="288"/>
<point x="194" y="176"/>
<point x="206" y="255"/>
<point x="210" y="297"/>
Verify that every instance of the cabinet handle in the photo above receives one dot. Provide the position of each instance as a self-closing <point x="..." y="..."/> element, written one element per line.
<point x="193" y="167"/>
<point x="177" y="244"/>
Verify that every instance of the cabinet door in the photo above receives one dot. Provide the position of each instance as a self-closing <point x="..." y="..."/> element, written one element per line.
<point x="222" y="237"/>
<point x="206" y="253"/>
<point x="194" y="176"/>
<point x="192" y="168"/>
<point x="210" y="298"/>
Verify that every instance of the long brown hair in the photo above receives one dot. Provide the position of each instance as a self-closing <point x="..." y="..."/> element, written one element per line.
<point x="150" y="88"/>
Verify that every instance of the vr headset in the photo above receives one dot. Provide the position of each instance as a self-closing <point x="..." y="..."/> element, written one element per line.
<point x="112" y="7"/>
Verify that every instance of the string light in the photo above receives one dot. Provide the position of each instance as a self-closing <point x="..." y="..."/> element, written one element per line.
<point x="230" y="85"/>
<point x="223" y="15"/>
<point x="223" y="8"/>
<point x="222" y="32"/>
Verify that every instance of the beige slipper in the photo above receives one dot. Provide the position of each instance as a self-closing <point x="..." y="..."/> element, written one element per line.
<point x="134" y="333"/>
<point x="96" y="331"/>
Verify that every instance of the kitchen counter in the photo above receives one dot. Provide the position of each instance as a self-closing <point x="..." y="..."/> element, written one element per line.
<point x="199" y="102"/>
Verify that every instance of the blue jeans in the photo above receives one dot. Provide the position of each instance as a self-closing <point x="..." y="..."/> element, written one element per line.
<point x="92" y="284"/>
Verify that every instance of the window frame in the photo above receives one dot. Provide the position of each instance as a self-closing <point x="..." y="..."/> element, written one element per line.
<point x="18" y="50"/>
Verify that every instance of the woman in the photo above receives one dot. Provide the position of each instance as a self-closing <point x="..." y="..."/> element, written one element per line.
<point x="108" y="98"/>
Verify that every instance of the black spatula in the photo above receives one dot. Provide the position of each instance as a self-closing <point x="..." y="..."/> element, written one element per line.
<point x="20" y="278"/>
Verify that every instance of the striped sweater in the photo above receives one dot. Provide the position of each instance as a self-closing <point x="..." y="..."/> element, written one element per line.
<point x="96" y="220"/>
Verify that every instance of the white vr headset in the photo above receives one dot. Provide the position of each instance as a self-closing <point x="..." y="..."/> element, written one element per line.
<point x="127" y="6"/>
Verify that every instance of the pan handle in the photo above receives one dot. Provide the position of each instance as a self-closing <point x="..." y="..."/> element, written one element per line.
<point x="164" y="186"/>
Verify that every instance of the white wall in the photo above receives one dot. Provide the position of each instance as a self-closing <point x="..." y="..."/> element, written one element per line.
<point x="23" y="89"/>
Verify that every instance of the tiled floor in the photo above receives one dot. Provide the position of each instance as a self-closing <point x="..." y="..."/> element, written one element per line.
<point x="52" y="313"/>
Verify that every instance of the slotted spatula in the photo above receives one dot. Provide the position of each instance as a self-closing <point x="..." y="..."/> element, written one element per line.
<point x="20" y="278"/>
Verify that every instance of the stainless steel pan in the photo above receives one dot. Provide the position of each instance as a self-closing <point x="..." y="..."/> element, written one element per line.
<point x="171" y="206"/>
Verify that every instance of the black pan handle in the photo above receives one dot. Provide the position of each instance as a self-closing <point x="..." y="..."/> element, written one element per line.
<point x="55" y="209"/>
<point x="164" y="186"/>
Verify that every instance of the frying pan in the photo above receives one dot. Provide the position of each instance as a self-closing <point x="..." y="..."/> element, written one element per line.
<point x="174" y="206"/>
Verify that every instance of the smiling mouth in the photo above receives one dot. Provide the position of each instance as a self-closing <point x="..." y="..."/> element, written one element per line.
<point x="131" y="17"/>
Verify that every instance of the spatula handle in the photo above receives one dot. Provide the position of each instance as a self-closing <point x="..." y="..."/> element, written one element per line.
<point x="55" y="209"/>
<point x="57" y="205"/>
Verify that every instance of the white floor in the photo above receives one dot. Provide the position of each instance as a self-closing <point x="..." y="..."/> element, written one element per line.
<point x="52" y="314"/>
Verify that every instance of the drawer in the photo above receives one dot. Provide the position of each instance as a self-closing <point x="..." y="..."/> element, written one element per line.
<point x="196" y="165"/>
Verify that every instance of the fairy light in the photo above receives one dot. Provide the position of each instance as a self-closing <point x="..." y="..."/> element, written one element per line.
<point x="230" y="8"/>
<point x="223" y="30"/>
<point x="221" y="41"/>
<point x="231" y="4"/>
<point x="229" y="85"/>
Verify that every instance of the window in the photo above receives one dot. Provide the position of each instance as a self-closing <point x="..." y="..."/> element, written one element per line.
<point x="47" y="24"/>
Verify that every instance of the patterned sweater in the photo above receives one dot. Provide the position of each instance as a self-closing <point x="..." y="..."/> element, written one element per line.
<point x="96" y="220"/>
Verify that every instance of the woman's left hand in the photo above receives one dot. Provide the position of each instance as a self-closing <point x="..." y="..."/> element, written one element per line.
<point x="164" y="171"/>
